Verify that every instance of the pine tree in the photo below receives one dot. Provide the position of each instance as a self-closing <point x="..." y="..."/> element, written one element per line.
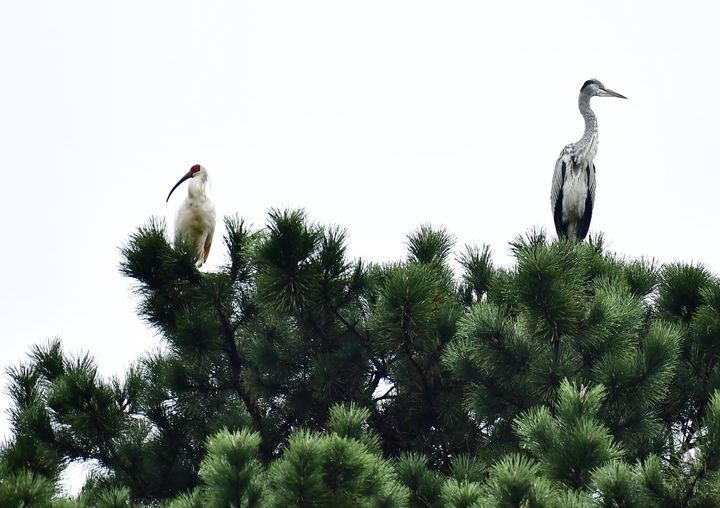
<point x="295" y="376"/>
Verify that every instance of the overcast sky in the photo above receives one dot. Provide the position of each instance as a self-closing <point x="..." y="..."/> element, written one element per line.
<point x="374" y="115"/>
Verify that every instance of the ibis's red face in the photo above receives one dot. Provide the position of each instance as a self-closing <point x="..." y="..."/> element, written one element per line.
<point x="193" y="171"/>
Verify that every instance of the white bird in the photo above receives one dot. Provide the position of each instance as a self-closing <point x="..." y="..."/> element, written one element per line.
<point x="195" y="220"/>
<point x="573" y="188"/>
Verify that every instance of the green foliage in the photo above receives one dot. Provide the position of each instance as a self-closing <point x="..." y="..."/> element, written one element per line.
<point x="430" y="246"/>
<point x="231" y="471"/>
<point x="299" y="475"/>
<point x="708" y="462"/>
<point x="460" y="494"/>
<point x="477" y="272"/>
<point x="618" y="485"/>
<point x="681" y="288"/>
<point x="314" y="470"/>
<point x="25" y="489"/>
<point x="516" y="481"/>
<point x="571" y="444"/>
<point x="425" y="485"/>
<point x="295" y="376"/>
<point x="550" y="286"/>
<point x="113" y="498"/>
<point x="350" y="421"/>
<point x="288" y="272"/>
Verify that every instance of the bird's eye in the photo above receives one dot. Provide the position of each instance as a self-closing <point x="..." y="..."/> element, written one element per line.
<point x="195" y="169"/>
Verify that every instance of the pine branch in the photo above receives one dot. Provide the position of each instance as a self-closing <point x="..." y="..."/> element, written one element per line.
<point x="380" y="369"/>
<point x="253" y="409"/>
<point x="379" y="374"/>
<point x="423" y="379"/>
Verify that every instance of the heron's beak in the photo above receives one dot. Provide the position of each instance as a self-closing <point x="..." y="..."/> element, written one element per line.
<point x="185" y="177"/>
<point x="610" y="93"/>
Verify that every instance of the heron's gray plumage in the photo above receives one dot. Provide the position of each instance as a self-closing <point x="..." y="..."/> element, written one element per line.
<point x="572" y="195"/>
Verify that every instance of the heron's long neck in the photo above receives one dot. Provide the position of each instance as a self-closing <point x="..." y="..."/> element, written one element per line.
<point x="586" y="148"/>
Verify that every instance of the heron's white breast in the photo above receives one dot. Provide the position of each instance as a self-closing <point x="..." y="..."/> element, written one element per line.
<point x="574" y="195"/>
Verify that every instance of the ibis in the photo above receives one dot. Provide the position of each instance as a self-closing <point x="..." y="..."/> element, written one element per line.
<point x="195" y="220"/>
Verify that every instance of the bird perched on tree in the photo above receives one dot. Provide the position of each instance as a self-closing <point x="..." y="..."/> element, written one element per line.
<point x="195" y="220"/>
<point x="573" y="187"/>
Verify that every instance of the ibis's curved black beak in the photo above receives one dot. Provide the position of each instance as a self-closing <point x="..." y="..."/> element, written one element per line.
<point x="185" y="177"/>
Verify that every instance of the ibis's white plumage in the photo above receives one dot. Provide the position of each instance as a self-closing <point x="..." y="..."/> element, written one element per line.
<point x="195" y="220"/>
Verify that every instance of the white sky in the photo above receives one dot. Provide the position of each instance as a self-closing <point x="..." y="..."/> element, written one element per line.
<point x="374" y="115"/>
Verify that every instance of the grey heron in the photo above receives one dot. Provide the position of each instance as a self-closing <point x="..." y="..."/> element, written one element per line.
<point x="573" y="187"/>
<point x="195" y="221"/>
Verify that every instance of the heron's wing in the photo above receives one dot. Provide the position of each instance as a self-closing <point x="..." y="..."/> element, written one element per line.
<point x="584" y="225"/>
<point x="556" y="194"/>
